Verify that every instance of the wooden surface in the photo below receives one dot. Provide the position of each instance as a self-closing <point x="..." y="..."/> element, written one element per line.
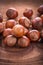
<point x="32" y="55"/>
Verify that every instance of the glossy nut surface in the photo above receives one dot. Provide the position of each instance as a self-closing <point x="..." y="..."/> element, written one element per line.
<point x="28" y="13"/>
<point x="40" y="9"/>
<point x="34" y="35"/>
<point x="37" y="23"/>
<point x="7" y="32"/>
<point x="18" y="30"/>
<point x="25" y="22"/>
<point x="12" y="13"/>
<point x="10" y="40"/>
<point x="10" y="23"/>
<point x="24" y="42"/>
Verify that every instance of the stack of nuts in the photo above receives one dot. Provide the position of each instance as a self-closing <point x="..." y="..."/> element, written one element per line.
<point x="23" y="32"/>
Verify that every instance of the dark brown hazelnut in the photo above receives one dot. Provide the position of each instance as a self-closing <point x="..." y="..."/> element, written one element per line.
<point x="12" y="13"/>
<point x="28" y="13"/>
<point x="7" y="32"/>
<point x="40" y="9"/>
<point x="10" y="40"/>
<point x="34" y="35"/>
<point x="23" y="42"/>
<point x="37" y="23"/>
<point x="1" y="17"/>
<point x="25" y="22"/>
<point x="10" y="23"/>
<point x="18" y="30"/>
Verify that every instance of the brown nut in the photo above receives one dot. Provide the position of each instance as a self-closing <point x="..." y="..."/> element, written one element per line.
<point x="1" y="17"/>
<point x="1" y="27"/>
<point x="7" y="32"/>
<point x="12" y="13"/>
<point x="34" y="35"/>
<point x="10" y="23"/>
<point x="23" y="41"/>
<point x="10" y="40"/>
<point x="18" y="30"/>
<point x="40" y="9"/>
<point x="25" y="22"/>
<point x="37" y="23"/>
<point x="28" y="13"/>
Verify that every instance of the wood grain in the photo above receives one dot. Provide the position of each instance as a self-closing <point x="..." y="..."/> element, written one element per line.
<point x="32" y="55"/>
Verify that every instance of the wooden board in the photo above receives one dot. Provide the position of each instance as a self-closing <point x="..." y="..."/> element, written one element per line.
<point x="32" y="55"/>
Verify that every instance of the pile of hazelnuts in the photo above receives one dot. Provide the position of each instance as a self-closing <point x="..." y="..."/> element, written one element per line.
<point x="23" y="31"/>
